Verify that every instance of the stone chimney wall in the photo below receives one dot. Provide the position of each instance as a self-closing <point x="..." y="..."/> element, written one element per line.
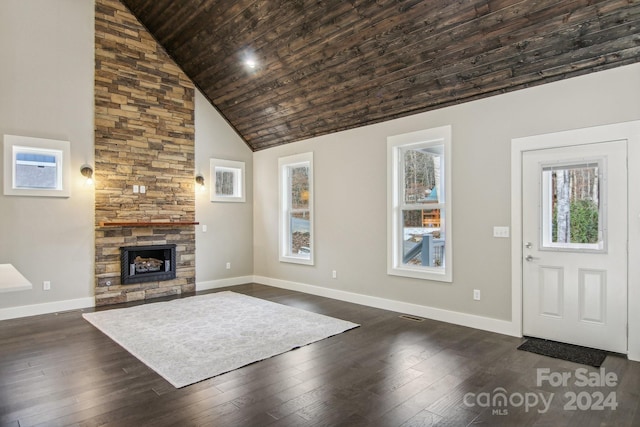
<point x="144" y="136"/>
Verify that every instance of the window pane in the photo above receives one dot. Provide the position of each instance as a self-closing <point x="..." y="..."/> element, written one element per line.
<point x="572" y="206"/>
<point x="300" y="187"/>
<point x="423" y="237"/>
<point x="225" y="182"/>
<point x="300" y="242"/>
<point x="36" y="170"/>
<point x="422" y="175"/>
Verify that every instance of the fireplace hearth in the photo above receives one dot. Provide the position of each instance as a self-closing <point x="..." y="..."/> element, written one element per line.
<point x="141" y="264"/>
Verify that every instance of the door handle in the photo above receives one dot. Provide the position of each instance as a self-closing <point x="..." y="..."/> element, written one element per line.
<point x="529" y="258"/>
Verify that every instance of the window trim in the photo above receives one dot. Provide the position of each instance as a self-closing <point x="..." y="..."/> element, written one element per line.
<point x="284" y="231"/>
<point x="239" y="187"/>
<point x="545" y="209"/>
<point x="14" y="144"/>
<point x="395" y="146"/>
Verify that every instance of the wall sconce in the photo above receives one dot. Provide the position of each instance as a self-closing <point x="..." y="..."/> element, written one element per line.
<point x="87" y="172"/>
<point x="200" y="181"/>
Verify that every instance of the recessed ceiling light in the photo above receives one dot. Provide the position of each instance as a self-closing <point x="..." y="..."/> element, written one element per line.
<point x="249" y="60"/>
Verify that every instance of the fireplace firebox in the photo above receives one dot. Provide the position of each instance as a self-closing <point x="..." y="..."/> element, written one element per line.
<point x="141" y="264"/>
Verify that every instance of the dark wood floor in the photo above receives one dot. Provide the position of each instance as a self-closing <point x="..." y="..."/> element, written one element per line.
<point x="58" y="370"/>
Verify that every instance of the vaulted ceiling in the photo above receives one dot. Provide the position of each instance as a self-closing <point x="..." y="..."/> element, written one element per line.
<point x="322" y="66"/>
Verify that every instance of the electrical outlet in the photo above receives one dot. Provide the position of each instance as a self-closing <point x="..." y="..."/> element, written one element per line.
<point x="143" y="189"/>
<point x="476" y="294"/>
<point x="204" y="228"/>
<point x="228" y="266"/>
<point x="46" y="285"/>
<point x="334" y="274"/>
<point x="136" y="189"/>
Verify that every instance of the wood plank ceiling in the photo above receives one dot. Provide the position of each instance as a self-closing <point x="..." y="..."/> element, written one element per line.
<point x="328" y="65"/>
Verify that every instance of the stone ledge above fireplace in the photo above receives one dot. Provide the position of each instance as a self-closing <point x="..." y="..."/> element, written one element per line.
<point x="147" y="224"/>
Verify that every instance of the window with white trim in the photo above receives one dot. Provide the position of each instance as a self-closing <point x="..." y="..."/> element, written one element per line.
<point x="36" y="167"/>
<point x="228" y="181"/>
<point x="296" y="208"/>
<point x="419" y="204"/>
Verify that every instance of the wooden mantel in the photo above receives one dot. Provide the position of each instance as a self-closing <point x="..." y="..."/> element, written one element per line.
<point x="146" y="224"/>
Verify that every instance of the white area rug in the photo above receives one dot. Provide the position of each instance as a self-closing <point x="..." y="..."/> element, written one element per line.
<point x="191" y="339"/>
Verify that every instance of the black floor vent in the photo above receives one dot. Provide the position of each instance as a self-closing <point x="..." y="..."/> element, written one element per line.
<point x="412" y="318"/>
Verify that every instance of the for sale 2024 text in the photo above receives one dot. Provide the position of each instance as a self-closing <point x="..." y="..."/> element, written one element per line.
<point x="592" y="398"/>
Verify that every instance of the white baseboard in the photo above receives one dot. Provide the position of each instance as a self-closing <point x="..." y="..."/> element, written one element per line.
<point x="504" y="327"/>
<point x="75" y="304"/>
<point x="46" y="308"/>
<point x="478" y="322"/>
<point x="221" y="283"/>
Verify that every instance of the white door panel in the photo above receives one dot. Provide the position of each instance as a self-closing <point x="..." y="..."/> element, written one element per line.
<point x="551" y="291"/>
<point x="592" y="293"/>
<point x="575" y="275"/>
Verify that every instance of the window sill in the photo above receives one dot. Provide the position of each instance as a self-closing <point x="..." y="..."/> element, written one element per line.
<point x="294" y="260"/>
<point x="437" y="276"/>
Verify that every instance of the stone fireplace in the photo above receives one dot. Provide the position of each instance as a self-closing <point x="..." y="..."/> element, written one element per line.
<point x="144" y="162"/>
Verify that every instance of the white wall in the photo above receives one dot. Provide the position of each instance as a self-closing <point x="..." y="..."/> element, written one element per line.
<point x="350" y="197"/>
<point x="46" y="91"/>
<point x="229" y="234"/>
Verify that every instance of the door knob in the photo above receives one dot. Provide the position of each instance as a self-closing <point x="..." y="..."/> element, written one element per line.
<point x="529" y="258"/>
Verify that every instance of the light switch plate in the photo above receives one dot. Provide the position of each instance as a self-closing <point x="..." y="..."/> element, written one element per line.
<point x="502" y="232"/>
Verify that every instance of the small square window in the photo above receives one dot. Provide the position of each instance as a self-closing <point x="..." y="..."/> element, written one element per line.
<point x="227" y="178"/>
<point x="35" y="167"/>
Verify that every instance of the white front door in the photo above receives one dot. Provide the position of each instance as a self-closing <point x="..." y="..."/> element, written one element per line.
<point x="574" y="233"/>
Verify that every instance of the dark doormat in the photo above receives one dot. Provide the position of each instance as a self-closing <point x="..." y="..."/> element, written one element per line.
<point x="570" y="352"/>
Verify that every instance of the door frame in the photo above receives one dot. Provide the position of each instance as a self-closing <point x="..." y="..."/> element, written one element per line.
<point x="629" y="131"/>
